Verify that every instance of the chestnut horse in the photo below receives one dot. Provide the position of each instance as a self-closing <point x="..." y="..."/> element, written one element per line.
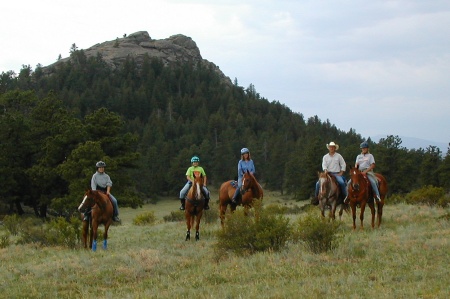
<point x="195" y="202"/>
<point x="250" y="190"/>
<point x="360" y="192"/>
<point x="101" y="213"/>
<point x="329" y="193"/>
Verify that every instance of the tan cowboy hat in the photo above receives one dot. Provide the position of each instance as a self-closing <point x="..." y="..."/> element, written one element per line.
<point x="332" y="144"/>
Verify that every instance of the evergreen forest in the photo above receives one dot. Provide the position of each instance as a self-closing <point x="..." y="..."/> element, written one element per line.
<point x="146" y="121"/>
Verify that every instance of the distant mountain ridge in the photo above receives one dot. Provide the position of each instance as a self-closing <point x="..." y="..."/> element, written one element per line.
<point x="175" y="49"/>
<point x="416" y="143"/>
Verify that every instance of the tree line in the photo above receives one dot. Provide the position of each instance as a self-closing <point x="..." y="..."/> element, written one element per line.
<point x="146" y="121"/>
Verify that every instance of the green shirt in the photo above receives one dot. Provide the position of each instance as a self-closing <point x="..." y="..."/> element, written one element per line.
<point x="197" y="170"/>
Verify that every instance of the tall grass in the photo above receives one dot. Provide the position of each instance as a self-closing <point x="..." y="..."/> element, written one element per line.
<point x="407" y="257"/>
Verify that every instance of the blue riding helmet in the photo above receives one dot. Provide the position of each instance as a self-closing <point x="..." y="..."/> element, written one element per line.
<point x="244" y="151"/>
<point x="100" y="164"/>
<point x="195" y="159"/>
<point x="364" y="145"/>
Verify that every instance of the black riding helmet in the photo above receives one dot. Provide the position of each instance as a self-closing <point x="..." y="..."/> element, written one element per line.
<point x="100" y="164"/>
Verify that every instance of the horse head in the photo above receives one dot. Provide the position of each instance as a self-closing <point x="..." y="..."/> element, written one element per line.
<point x="196" y="191"/>
<point x="87" y="202"/>
<point x="247" y="181"/>
<point x="355" y="176"/>
<point x="324" y="183"/>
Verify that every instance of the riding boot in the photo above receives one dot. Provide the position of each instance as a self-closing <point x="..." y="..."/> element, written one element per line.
<point x="235" y="196"/>
<point x="182" y="203"/>
<point x="346" y="200"/>
<point x="377" y="198"/>
<point x="87" y="215"/>
<point x="206" y="195"/>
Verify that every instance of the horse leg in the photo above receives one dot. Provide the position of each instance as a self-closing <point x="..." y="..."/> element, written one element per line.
<point x="372" y="211"/>
<point x="361" y="215"/>
<point x="341" y="211"/>
<point x="333" y="211"/>
<point x="85" y="233"/>
<point x="353" y="206"/>
<point x="91" y="235"/>
<point x="197" y="226"/>
<point x="94" y="235"/>
<point x="322" y="208"/>
<point x="223" y="211"/>
<point x="105" y="236"/>
<point x="379" y="213"/>
<point x="188" y="225"/>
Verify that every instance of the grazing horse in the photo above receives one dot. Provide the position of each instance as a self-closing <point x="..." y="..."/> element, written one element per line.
<point x="329" y="193"/>
<point x="360" y="192"/>
<point x="195" y="202"/>
<point x="101" y="213"/>
<point x="250" y="190"/>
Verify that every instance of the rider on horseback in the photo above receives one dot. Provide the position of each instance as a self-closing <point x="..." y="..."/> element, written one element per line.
<point x="334" y="164"/>
<point x="193" y="171"/>
<point x="244" y="165"/>
<point x="102" y="182"/>
<point x="365" y="162"/>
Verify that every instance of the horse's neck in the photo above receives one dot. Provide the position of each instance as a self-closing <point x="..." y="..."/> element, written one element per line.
<point x="101" y="201"/>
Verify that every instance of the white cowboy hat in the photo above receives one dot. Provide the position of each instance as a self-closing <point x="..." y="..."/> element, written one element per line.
<point x="332" y="144"/>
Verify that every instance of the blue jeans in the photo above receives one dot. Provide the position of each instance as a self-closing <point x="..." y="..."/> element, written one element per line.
<point x="115" y="205"/>
<point x="341" y="181"/>
<point x="188" y="185"/>
<point x="373" y="182"/>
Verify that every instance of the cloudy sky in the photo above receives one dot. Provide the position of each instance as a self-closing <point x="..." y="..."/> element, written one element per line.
<point x="378" y="67"/>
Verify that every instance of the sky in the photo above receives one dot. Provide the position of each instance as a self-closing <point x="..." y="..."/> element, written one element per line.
<point x="378" y="67"/>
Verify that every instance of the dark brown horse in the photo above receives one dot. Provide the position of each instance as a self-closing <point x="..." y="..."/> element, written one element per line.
<point x="250" y="190"/>
<point x="101" y="213"/>
<point x="360" y="192"/>
<point x="195" y="202"/>
<point x="329" y="193"/>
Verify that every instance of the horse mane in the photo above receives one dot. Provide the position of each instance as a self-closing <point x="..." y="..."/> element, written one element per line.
<point x="256" y="189"/>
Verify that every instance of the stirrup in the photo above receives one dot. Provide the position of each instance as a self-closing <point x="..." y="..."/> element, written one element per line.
<point x="182" y="207"/>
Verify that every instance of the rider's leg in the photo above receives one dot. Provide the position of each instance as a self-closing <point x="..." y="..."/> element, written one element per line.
<point x="372" y="180"/>
<point x="316" y="194"/>
<point x="346" y="200"/>
<point x="343" y="186"/>
<point x="238" y="190"/>
<point x="115" y="208"/>
<point x="183" y="194"/>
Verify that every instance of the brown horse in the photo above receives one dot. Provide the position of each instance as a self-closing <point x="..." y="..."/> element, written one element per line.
<point x="329" y="193"/>
<point x="360" y="192"/>
<point x="250" y="190"/>
<point x="102" y="211"/>
<point x="195" y="202"/>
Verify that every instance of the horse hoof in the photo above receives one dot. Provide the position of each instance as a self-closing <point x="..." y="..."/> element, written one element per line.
<point x="94" y="246"/>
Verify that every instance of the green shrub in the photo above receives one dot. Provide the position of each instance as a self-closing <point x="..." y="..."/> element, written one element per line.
<point x="429" y="195"/>
<point x="147" y="218"/>
<point x="318" y="234"/>
<point x="395" y="199"/>
<point x="57" y="232"/>
<point x="174" y="216"/>
<point x="4" y="240"/>
<point x="243" y="234"/>
<point x="276" y="209"/>
<point x="12" y="224"/>
<point x="211" y="215"/>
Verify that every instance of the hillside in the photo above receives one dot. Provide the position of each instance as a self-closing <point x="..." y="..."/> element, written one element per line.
<point x="146" y="116"/>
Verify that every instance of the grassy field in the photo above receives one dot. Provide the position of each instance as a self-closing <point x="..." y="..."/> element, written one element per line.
<point x="407" y="258"/>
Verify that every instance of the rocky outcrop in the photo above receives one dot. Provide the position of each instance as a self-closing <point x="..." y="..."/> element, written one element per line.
<point x="177" y="48"/>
